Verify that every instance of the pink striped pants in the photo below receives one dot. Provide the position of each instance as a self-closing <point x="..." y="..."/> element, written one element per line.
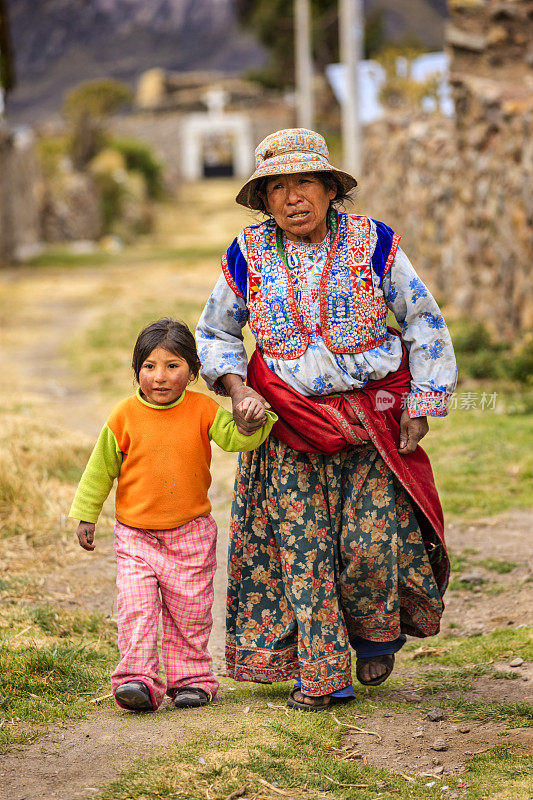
<point x="168" y="571"/>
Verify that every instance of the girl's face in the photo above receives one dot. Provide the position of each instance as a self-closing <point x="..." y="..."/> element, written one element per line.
<point x="163" y="377"/>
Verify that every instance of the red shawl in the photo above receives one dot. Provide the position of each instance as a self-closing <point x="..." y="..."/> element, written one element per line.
<point x="330" y="424"/>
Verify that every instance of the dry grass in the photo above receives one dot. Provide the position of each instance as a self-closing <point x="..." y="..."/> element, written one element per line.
<point x="40" y="464"/>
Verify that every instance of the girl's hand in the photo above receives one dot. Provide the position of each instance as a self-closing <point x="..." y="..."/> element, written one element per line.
<point x="248" y="416"/>
<point x="253" y="410"/>
<point x="85" y="534"/>
<point x="411" y="431"/>
<point x="248" y="410"/>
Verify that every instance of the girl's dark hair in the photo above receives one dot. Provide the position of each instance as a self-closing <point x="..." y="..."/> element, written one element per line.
<point x="171" y="335"/>
<point x="328" y="179"/>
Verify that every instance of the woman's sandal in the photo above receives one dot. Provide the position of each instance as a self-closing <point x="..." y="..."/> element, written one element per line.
<point x="299" y="706"/>
<point x="387" y="661"/>
<point x="191" y="697"/>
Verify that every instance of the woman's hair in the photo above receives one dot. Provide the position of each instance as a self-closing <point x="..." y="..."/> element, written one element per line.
<point x="171" y="335"/>
<point x="327" y="178"/>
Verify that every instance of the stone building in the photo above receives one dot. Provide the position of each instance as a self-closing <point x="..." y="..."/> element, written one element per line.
<point x="166" y="103"/>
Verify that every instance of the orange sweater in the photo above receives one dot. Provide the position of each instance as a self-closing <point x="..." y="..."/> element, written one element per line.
<point x="164" y="477"/>
<point x="161" y="456"/>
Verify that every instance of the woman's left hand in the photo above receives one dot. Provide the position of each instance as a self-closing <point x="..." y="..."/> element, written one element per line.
<point x="411" y="431"/>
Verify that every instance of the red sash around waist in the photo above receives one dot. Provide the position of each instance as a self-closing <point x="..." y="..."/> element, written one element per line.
<point x="328" y="425"/>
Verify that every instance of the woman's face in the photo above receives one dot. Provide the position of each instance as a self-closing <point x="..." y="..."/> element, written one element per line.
<point x="299" y="203"/>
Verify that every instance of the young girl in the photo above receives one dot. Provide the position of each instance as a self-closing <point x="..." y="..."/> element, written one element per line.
<point x="157" y="443"/>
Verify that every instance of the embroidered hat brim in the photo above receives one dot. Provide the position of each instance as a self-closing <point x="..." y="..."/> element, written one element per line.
<point x="286" y="164"/>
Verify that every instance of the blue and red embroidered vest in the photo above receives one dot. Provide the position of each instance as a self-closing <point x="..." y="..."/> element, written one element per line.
<point x="352" y="316"/>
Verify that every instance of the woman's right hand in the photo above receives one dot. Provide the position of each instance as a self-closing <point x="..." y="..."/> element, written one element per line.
<point x="85" y="534"/>
<point x="248" y="407"/>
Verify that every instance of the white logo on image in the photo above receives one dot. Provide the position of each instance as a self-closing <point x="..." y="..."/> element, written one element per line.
<point x="384" y="400"/>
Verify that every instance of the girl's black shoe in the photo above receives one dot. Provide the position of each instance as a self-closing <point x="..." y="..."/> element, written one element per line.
<point x="134" y="695"/>
<point x="191" y="697"/>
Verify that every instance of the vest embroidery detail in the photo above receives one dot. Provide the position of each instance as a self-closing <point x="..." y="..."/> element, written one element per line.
<point x="352" y="316"/>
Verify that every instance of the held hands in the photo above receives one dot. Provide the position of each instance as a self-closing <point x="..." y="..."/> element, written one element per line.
<point x="248" y="409"/>
<point x="85" y="534"/>
<point x="411" y="431"/>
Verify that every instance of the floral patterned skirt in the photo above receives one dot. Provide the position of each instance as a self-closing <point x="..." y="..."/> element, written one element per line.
<point x="322" y="549"/>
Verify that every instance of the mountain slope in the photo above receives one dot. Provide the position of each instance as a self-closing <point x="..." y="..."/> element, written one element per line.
<point x="59" y="43"/>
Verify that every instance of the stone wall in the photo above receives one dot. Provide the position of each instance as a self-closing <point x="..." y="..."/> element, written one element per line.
<point x="411" y="182"/>
<point x="70" y="208"/>
<point x="19" y="197"/>
<point x="493" y="92"/>
<point x="460" y="190"/>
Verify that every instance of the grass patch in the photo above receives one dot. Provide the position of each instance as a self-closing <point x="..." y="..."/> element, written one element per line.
<point x="505" y="675"/>
<point x="269" y="757"/>
<point x="459" y="585"/>
<point x="493" y="589"/>
<point x="480" y="649"/>
<point x="497" y="565"/>
<point x="473" y="482"/>
<point x="65" y="257"/>
<point x="265" y="753"/>
<point x="52" y="621"/>
<point x="516" y="715"/>
<point x="436" y="681"/>
<point x="459" y="562"/>
<point x="503" y="773"/>
<point x="9" y="584"/>
<point x="52" y="662"/>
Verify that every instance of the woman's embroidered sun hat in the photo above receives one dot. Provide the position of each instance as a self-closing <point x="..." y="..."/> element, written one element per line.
<point x="287" y="152"/>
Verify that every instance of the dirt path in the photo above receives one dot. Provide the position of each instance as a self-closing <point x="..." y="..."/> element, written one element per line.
<point x="67" y="762"/>
<point x="71" y="761"/>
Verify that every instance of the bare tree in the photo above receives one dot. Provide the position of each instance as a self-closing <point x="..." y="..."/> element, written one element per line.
<point x="7" y="56"/>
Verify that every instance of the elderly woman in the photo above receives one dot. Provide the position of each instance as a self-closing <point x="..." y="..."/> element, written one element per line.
<point x="336" y="530"/>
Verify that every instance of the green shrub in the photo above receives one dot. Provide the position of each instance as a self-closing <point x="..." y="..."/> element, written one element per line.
<point x="481" y="364"/>
<point x="98" y="98"/>
<point x="470" y="336"/>
<point x="86" y="108"/>
<point x="111" y="193"/>
<point x="139" y="158"/>
<point x="521" y="364"/>
<point x="51" y="151"/>
<point x="478" y="355"/>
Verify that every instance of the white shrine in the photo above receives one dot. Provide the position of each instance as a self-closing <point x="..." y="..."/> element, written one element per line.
<point x="205" y="135"/>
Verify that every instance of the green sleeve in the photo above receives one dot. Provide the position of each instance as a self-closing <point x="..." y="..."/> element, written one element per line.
<point x="224" y="432"/>
<point x="97" y="480"/>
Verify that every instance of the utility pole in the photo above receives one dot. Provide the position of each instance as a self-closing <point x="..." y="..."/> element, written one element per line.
<point x="351" y="46"/>
<point x="304" y="64"/>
